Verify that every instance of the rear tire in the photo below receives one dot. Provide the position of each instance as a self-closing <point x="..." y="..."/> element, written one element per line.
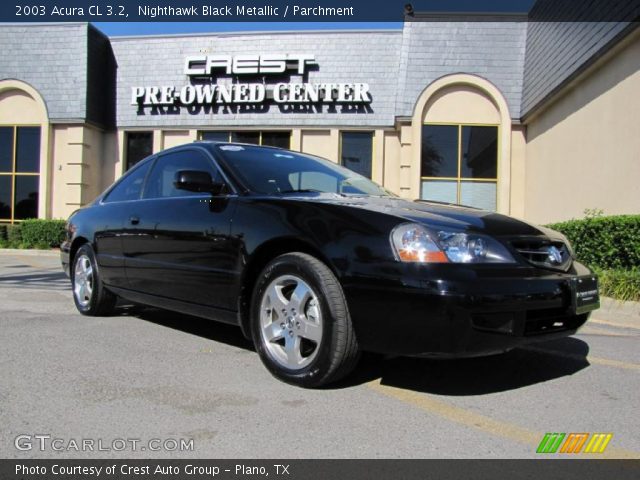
<point x="300" y="322"/>
<point x="89" y="294"/>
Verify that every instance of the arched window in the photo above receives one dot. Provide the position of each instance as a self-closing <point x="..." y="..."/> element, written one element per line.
<point x="23" y="128"/>
<point x="462" y="127"/>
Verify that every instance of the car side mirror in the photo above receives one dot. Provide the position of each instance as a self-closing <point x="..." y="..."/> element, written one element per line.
<point x="197" y="181"/>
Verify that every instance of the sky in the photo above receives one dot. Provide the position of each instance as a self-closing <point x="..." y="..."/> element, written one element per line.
<point x="158" y="28"/>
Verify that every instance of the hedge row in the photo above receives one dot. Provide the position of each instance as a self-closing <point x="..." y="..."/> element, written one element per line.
<point x="33" y="233"/>
<point x="620" y="284"/>
<point x="605" y="243"/>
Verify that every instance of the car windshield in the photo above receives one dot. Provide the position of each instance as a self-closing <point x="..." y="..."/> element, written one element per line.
<point x="275" y="172"/>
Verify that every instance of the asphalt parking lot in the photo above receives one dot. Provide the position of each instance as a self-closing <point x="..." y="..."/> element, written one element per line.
<point x="148" y="374"/>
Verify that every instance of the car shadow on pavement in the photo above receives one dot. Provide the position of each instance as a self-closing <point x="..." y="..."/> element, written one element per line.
<point x="518" y="368"/>
<point x="53" y="280"/>
<point x="216" y="331"/>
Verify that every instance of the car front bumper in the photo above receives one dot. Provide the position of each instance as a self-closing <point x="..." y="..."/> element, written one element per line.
<point x="462" y="312"/>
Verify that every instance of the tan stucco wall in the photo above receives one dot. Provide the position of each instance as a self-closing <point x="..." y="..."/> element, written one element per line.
<point x="323" y="143"/>
<point x="178" y="137"/>
<point x="518" y="170"/>
<point x="111" y="160"/>
<point x="391" y="174"/>
<point x="77" y="156"/>
<point x="18" y="107"/>
<point x="461" y="104"/>
<point x="583" y="151"/>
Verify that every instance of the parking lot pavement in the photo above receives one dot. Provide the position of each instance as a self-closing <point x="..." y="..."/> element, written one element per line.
<point x="148" y="374"/>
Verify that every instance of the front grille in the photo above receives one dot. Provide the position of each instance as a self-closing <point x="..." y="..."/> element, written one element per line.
<point x="544" y="253"/>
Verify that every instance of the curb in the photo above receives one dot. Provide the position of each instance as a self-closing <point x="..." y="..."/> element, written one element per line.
<point x="618" y="312"/>
<point x="29" y="252"/>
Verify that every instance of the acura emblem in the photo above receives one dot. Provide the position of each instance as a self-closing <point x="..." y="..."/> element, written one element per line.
<point x="555" y="255"/>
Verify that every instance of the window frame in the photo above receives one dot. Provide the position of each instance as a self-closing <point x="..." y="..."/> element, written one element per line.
<point x="459" y="179"/>
<point x="13" y="173"/>
<point x="104" y="198"/>
<point x="152" y="160"/>
<point x="373" y="149"/>
<point x="260" y="133"/>
<point x="207" y="155"/>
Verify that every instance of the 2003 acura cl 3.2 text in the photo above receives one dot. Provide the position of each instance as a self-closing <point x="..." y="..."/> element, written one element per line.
<point x="317" y="263"/>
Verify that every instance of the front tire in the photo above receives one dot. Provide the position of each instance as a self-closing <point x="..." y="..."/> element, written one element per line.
<point x="89" y="294"/>
<point x="300" y="322"/>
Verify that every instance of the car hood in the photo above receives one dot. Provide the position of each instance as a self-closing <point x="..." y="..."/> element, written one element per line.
<point x="436" y="214"/>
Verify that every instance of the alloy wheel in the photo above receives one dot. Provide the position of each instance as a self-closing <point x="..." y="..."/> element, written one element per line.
<point x="291" y="322"/>
<point x="83" y="280"/>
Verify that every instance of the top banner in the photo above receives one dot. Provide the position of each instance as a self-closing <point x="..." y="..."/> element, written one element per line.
<point x="314" y="10"/>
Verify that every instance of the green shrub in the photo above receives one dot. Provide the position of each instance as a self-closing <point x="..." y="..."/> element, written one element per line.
<point x="605" y="243"/>
<point x="3" y="232"/>
<point x="39" y="233"/>
<point x="620" y="284"/>
<point x="14" y="235"/>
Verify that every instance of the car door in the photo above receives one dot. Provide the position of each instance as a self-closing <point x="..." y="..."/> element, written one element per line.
<point x="109" y="222"/>
<point x="178" y="243"/>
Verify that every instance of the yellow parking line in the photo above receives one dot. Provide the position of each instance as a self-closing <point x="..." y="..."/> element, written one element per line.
<point x="613" y="363"/>
<point x="614" y="324"/>
<point x="475" y="420"/>
<point x="607" y="362"/>
<point x="603" y="332"/>
<point x="457" y="414"/>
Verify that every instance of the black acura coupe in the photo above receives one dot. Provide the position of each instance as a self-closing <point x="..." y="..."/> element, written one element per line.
<point x="316" y="263"/>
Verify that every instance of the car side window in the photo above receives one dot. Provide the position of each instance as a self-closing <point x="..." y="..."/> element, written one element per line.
<point x="130" y="187"/>
<point x="160" y="181"/>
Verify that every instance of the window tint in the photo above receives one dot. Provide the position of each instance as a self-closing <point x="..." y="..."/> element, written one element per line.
<point x="281" y="139"/>
<point x="5" y="197"/>
<point x="6" y="149"/>
<point x="19" y="172"/>
<point x="276" y="139"/>
<point x="26" y="196"/>
<point x="130" y="187"/>
<point x="246" y="137"/>
<point x="357" y="150"/>
<point x="160" y="182"/>
<point x="271" y="171"/>
<point x="440" y="151"/>
<point x="313" y="181"/>
<point x="460" y="164"/>
<point x="479" y="152"/>
<point x="28" y="150"/>
<point x="216" y="136"/>
<point x="139" y="147"/>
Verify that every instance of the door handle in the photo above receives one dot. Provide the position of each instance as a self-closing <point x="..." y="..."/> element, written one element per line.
<point x="134" y="220"/>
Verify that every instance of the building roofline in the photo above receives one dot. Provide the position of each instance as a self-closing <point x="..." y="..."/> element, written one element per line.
<point x="397" y="31"/>
<point x="468" y="16"/>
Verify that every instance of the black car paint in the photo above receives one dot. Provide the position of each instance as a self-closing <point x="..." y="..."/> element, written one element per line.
<point x="201" y="254"/>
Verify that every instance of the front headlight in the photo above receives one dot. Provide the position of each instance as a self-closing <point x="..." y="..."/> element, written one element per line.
<point x="412" y="242"/>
